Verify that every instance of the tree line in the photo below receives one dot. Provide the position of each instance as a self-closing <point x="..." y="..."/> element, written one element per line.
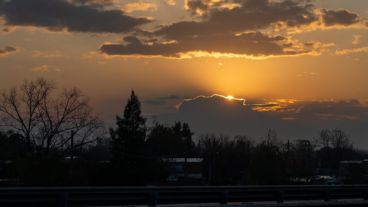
<point x="52" y="137"/>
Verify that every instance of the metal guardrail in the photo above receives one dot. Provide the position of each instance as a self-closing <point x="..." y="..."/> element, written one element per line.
<point x="94" y="196"/>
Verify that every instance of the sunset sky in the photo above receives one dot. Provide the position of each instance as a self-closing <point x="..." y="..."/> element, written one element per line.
<point x="224" y="66"/>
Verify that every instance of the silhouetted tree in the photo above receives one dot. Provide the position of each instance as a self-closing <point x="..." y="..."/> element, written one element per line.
<point x="129" y="152"/>
<point x="300" y="160"/>
<point x="209" y="147"/>
<point x="187" y="138"/>
<point x="335" y="147"/>
<point x="12" y="146"/>
<point x="162" y="142"/>
<point x="268" y="164"/>
<point x="129" y="136"/>
<point x="226" y="161"/>
<point x="166" y="141"/>
<point x="47" y="121"/>
<point x="244" y="149"/>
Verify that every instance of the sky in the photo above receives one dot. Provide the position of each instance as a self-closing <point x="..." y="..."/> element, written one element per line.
<point x="224" y="66"/>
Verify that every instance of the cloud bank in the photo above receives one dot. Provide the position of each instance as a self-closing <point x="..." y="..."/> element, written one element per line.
<point x="232" y="28"/>
<point x="71" y="15"/>
<point x="243" y="28"/>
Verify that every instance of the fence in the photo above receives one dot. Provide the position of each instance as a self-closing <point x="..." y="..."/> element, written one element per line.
<point x="93" y="196"/>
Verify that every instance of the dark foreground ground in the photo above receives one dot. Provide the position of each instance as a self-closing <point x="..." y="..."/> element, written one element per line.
<point x="334" y="203"/>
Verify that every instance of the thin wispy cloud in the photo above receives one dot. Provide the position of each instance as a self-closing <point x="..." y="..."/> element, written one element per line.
<point x="45" y="69"/>
<point x="47" y="54"/>
<point x="139" y="6"/>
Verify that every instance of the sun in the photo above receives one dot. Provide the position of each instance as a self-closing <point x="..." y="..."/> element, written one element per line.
<point x="229" y="97"/>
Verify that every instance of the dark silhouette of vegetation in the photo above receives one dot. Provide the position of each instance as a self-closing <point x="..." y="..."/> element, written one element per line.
<point x="50" y="139"/>
<point x="225" y="160"/>
<point x="271" y="161"/>
<point x="175" y="141"/>
<point x="335" y="146"/>
<point x="12" y="146"/>
<point x="130" y="157"/>
<point x="129" y="137"/>
<point x="48" y="122"/>
<point x="48" y="129"/>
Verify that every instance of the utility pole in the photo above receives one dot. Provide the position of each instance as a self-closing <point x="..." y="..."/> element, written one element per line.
<point x="72" y="146"/>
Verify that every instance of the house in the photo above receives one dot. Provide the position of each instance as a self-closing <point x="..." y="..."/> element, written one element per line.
<point x="184" y="170"/>
<point x="353" y="171"/>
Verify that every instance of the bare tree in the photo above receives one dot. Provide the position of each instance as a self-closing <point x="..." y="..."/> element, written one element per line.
<point x="335" y="138"/>
<point x="340" y="140"/>
<point x="47" y="120"/>
<point x="325" y="138"/>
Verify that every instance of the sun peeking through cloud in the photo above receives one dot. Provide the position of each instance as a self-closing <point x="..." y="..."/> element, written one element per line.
<point x="230" y="97"/>
<point x="263" y="106"/>
<point x="227" y="98"/>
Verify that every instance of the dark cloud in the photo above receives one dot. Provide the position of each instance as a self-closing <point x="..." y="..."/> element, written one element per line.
<point x="162" y="100"/>
<point x="251" y="15"/>
<point x="252" y="43"/>
<point x="290" y="118"/>
<point x="245" y="29"/>
<point x="155" y="102"/>
<point x="223" y="30"/>
<point x="6" y="50"/>
<point x="339" y="17"/>
<point x="170" y="97"/>
<point x="76" y="15"/>
<point x="196" y="6"/>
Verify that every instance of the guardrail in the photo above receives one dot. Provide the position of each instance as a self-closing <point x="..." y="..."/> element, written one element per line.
<point x="92" y="196"/>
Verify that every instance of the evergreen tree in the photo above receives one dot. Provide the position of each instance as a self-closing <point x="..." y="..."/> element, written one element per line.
<point x="128" y="141"/>
<point x="187" y="136"/>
